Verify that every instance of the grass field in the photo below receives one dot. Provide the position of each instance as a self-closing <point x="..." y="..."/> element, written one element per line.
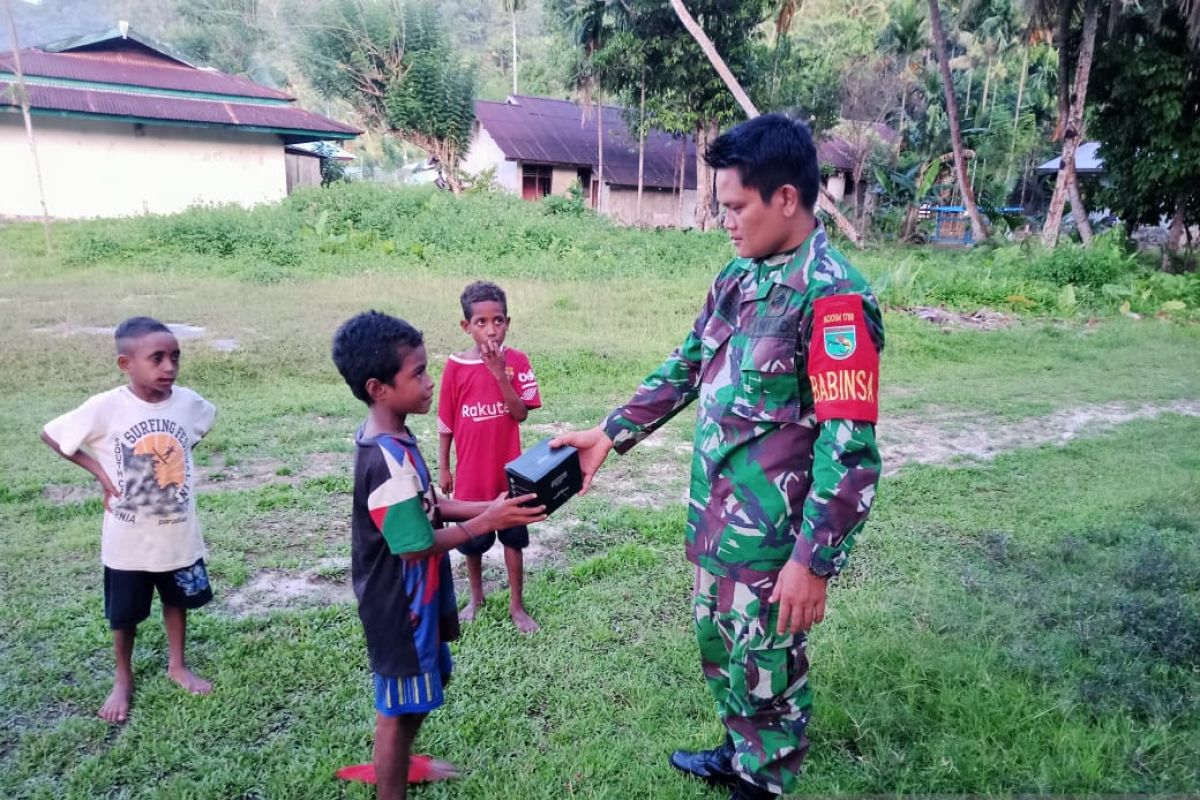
<point x="1029" y="623"/>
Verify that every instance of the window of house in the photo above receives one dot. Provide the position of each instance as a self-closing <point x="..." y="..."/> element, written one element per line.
<point x="535" y="181"/>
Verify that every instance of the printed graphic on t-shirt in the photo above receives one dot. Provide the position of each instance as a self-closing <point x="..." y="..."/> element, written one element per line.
<point x="526" y="383"/>
<point x="153" y="471"/>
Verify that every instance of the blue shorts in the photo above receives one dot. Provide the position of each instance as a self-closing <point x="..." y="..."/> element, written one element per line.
<point x="414" y="694"/>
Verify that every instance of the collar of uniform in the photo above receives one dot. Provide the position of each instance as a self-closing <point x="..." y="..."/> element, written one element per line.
<point x="793" y="264"/>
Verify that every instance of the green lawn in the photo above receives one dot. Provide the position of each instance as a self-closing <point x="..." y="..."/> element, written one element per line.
<point x="1025" y="625"/>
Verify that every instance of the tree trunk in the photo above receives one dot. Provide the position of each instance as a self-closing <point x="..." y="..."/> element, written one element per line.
<point x="600" y="154"/>
<point x="682" y="174"/>
<point x="1062" y="37"/>
<point x="1012" y="145"/>
<point x="641" y="148"/>
<point x="23" y="99"/>
<point x="1065" y="183"/>
<point x="1174" y="234"/>
<point x="979" y="230"/>
<point x="987" y="84"/>
<point x="447" y="156"/>
<point x="1078" y="209"/>
<point x="706" y="133"/>
<point x="825" y="201"/>
<point x="714" y="58"/>
<point x="967" y="97"/>
<point x="514" y="46"/>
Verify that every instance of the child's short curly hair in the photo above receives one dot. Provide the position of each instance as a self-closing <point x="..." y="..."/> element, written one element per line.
<point x="371" y="345"/>
<point x="482" y="292"/>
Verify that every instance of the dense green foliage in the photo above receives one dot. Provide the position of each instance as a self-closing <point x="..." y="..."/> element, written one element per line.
<point x="396" y="66"/>
<point x="1151" y="154"/>
<point x="350" y="228"/>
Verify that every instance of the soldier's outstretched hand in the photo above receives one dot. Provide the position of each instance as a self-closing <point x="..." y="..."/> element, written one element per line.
<point x="593" y="446"/>
<point x="801" y="598"/>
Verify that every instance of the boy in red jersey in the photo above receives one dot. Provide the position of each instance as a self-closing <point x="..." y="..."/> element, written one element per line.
<point x="487" y="391"/>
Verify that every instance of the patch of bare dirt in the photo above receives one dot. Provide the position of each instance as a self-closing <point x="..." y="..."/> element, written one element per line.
<point x="271" y="590"/>
<point x="182" y="330"/>
<point x="545" y="549"/>
<point x="217" y="476"/>
<point x="943" y="437"/>
<point x="983" y="320"/>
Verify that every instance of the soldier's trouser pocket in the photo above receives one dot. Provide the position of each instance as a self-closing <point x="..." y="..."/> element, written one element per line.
<point x="757" y="678"/>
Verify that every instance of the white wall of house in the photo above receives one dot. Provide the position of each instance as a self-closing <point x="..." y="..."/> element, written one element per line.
<point x="836" y="184"/>
<point x="661" y="208"/>
<point x="485" y="154"/>
<point x="94" y="168"/>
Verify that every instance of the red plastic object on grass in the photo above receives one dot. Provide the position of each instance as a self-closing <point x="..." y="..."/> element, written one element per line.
<point x="421" y="769"/>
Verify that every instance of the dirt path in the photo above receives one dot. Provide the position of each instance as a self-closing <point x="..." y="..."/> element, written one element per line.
<point x="946" y="437"/>
<point x="654" y="475"/>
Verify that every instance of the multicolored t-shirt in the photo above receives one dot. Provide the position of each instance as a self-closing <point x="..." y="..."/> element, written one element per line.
<point x="784" y="360"/>
<point x="471" y="407"/>
<point x="406" y="602"/>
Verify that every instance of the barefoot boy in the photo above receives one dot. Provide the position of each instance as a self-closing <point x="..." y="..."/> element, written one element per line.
<point x="400" y="535"/>
<point x="137" y="441"/>
<point x="487" y="392"/>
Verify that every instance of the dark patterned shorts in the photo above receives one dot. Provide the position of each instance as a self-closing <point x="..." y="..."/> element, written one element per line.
<point x="127" y="593"/>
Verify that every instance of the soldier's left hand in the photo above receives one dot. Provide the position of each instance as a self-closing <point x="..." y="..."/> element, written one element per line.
<point x="801" y="598"/>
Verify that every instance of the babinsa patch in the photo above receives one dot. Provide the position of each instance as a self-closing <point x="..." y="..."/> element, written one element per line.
<point x="840" y="342"/>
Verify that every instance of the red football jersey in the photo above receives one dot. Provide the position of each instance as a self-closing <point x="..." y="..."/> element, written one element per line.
<point x="486" y="437"/>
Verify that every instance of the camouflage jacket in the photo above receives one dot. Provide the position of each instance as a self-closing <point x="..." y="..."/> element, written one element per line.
<point x="769" y="481"/>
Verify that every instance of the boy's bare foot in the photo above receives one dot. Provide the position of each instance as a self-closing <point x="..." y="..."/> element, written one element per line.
<point x="523" y="621"/>
<point x="116" y="707"/>
<point x="468" y="612"/>
<point x="189" y="680"/>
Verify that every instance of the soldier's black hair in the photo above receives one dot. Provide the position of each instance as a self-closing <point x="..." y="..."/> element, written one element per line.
<point x="768" y="152"/>
<point x="135" y="328"/>
<point x="482" y="292"/>
<point x="372" y="345"/>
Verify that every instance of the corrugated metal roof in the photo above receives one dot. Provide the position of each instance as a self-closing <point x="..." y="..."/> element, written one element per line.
<point x="179" y="110"/>
<point x="1087" y="161"/>
<point x="126" y="78"/>
<point x="546" y="131"/>
<point x="127" y="62"/>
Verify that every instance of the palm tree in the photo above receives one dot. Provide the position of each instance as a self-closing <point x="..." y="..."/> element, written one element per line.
<point x="590" y="23"/>
<point x="979" y="229"/>
<point x="1071" y="103"/>
<point x="825" y="201"/>
<point x="906" y="38"/>
<point x="512" y="7"/>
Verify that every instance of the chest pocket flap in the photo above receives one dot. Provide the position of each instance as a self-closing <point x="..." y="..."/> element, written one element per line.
<point x="767" y="339"/>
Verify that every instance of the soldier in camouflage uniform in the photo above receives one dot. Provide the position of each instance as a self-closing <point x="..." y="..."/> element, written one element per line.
<point x="784" y="364"/>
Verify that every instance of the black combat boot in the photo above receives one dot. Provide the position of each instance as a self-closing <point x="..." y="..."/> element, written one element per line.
<point x="714" y="766"/>
<point x="744" y="790"/>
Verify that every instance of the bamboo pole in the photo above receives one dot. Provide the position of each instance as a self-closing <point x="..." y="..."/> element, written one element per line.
<point x="23" y="99"/>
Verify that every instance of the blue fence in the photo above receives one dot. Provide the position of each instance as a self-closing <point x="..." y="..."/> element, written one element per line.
<point x="951" y="225"/>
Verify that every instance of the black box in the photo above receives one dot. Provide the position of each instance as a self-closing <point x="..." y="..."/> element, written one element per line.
<point x="553" y="475"/>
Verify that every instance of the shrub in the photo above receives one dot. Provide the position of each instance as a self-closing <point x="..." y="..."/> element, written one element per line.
<point x="1105" y="262"/>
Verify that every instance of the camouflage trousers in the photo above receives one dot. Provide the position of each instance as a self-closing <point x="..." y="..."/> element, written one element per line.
<point x="758" y="678"/>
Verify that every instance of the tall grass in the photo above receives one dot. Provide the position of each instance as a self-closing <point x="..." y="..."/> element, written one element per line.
<point x="356" y="228"/>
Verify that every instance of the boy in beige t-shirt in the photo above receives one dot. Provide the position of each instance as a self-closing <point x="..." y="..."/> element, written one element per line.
<point x="137" y="441"/>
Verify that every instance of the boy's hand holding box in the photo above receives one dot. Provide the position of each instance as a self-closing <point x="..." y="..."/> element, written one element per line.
<point x="552" y="474"/>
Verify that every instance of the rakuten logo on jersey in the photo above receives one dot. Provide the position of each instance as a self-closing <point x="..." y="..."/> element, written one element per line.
<point x="478" y="412"/>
